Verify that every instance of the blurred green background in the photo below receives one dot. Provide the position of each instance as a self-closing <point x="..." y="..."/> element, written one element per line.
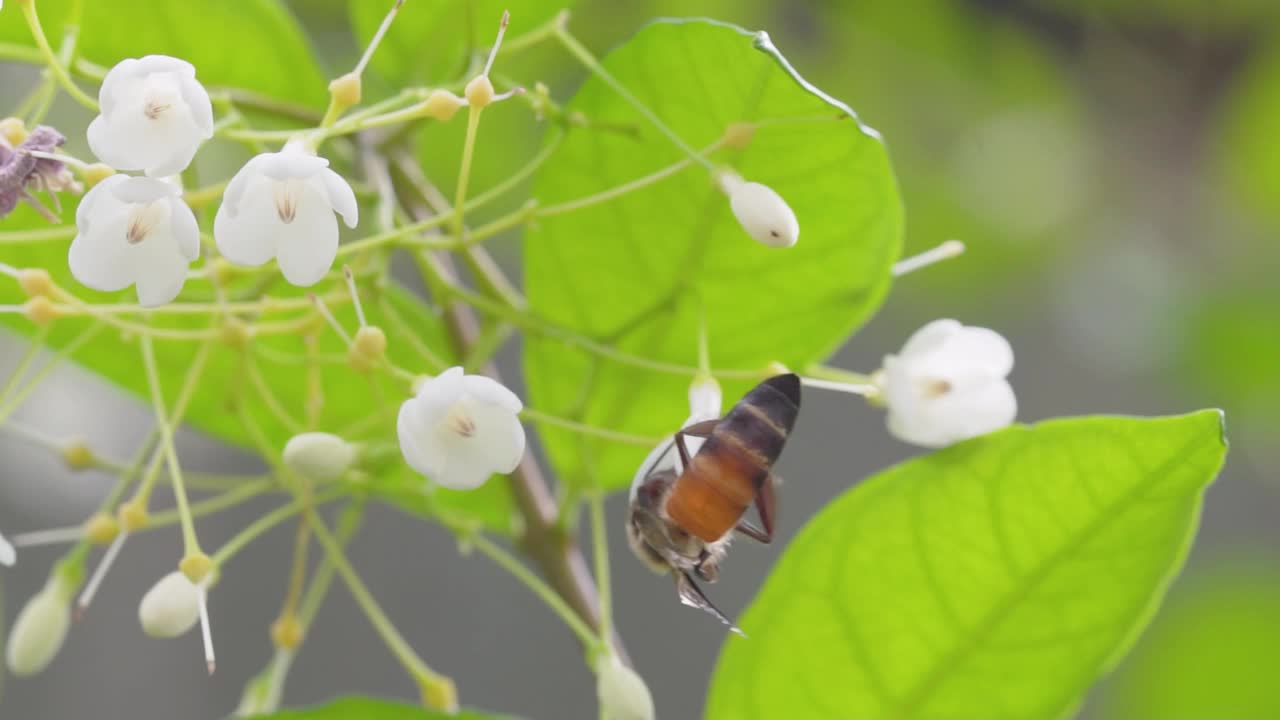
<point x="1114" y="169"/>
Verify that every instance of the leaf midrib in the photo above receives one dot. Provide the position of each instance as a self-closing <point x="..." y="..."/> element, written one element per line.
<point x="914" y="698"/>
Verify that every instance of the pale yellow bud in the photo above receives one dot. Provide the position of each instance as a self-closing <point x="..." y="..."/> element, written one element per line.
<point x="41" y="310"/>
<point x="35" y="282"/>
<point x="345" y="91"/>
<point x="287" y="632"/>
<point x="441" y="105"/>
<point x="367" y="349"/>
<point x="101" y="529"/>
<point x="235" y="333"/>
<point x="196" y="566"/>
<point x="96" y="173"/>
<point x="77" y="455"/>
<point x="738" y="135"/>
<point x="13" y="131"/>
<point x="479" y="92"/>
<point x="318" y="456"/>
<point x="133" y="516"/>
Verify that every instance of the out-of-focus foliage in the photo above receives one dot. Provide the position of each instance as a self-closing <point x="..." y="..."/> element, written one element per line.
<point x="995" y="579"/>
<point x="361" y="708"/>
<point x="1212" y="653"/>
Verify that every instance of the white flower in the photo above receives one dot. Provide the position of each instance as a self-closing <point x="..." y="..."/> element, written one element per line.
<point x="460" y="429"/>
<point x="760" y="211"/>
<point x="621" y="691"/>
<point x="134" y="230"/>
<point x="154" y="116"/>
<point x="948" y="384"/>
<point x="7" y="555"/>
<point x="171" y="607"/>
<point x="40" y="628"/>
<point x="281" y="205"/>
<point x="318" y="456"/>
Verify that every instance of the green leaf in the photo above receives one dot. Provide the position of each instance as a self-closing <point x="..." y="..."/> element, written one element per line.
<point x="252" y="44"/>
<point x="996" y="579"/>
<point x="433" y="40"/>
<point x="1211" y="653"/>
<point x="640" y="270"/>
<point x="365" y="708"/>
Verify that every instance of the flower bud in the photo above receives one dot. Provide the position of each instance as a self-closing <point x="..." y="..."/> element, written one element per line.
<point x="704" y="398"/>
<point x="196" y="566"/>
<point x="621" y="691"/>
<point x="345" y="90"/>
<point x="40" y="310"/>
<point x="738" y="135"/>
<point x="96" y="173"/>
<point x="171" y="607"/>
<point x="442" y="105"/>
<point x="13" y="131"/>
<point x="318" y="456"/>
<point x="40" y="629"/>
<point x="760" y="211"/>
<point x="77" y="455"/>
<point x="235" y="333"/>
<point x="35" y="282"/>
<point x="367" y="349"/>
<point x="286" y="633"/>
<point x="479" y="92"/>
<point x="133" y="516"/>
<point x="101" y="529"/>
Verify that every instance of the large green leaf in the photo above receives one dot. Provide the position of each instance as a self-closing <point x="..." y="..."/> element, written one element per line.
<point x="1212" y="652"/>
<point x="637" y="271"/>
<point x="364" y="708"/>
<point x="253" y="44"/>
<point x="996" y="579"/>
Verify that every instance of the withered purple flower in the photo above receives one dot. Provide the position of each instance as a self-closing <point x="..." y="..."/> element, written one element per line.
<point x="29" y="168"/>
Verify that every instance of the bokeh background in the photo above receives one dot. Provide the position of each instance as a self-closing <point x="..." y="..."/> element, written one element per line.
<point x="1112" y="166"/>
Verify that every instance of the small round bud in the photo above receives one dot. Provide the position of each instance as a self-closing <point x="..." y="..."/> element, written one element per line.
<point x="96" y="173"/>
<point x="40" y="629"/>
<point x="133" y="516"/>
<point x="441" y="105"/>
<point x="738" y="135"/>
<point x="760" y="211"/>
<point x="35" y="282"/>
<point x="286" y="632"/>
<point x="101" y="529"/>
<point x="479" y="92"/>
<point x="367" y="349"/>
<point x="235" y="333"/>
<point x="621" y="691"/>
<point x="438" y="693"/>
<point x="77" y="455"/>
<point x="223" y="271"/>
<point x="196" y="566"/>
<point x="318" y="456"/>
<point x="171" y="607"/>
<point x="13" y="131"/>
<point x="41" y="310"/>
<point x="345" y="90"/>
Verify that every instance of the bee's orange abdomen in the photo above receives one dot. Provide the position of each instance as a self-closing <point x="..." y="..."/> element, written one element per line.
<point x="713" y="493"/>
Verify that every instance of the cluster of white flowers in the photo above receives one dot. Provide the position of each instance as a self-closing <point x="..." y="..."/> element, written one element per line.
<point x="138" y="231"/>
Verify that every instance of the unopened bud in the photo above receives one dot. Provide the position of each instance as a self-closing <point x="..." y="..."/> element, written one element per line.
<point x="223" y="271"/>
<point x="738" y="135"/>
<point x="196" y="566"/>
<point x="760" y="211"/>
<point x="40" y="629"/>
<point x="101" y="529"/>
<point x="479" y="92"/>
<point x="96" y="173"/>
<point x="704" y="398"/>
<point x="235" y="333"/>
<point x="367" y="349"/>
<point x="286" y="632"/>
<point x="441" y="105"/>
<point x="171" y="607"/>
<point x="133" y="516"/>
<point x="318" y="456"/>
<point x="13" y="131"/>
<point x="40" y="310"/>
<point x="621" y="691"/>
<point x="345" y="91"/>
<point x="438" y="693"/>
<point x="35" y="282"/>
<point x="77" y="455"/>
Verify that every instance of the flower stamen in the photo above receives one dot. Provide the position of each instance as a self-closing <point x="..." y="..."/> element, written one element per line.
<point x="143" y="220"/>
<point x="287" y="193"/>
<point x="460" y="422"/>
<point x="99" y="573"/>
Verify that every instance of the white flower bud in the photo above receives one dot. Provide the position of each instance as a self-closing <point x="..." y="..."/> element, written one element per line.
<point x="760" y="211"/>
<point x="948" y="384"/>
<point x="621" y="691"/>
<point x="40" y="629"/>
<point x="704" y="399"/>
<point x="7" y="554"/>
<point x="318" y="456"/>
<point x="171" y="607"/>
<point x="154" y="116"/>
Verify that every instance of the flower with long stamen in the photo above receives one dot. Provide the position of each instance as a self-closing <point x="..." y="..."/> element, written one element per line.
<point x="282" y="205"/>
<point x="8" y="556"/>
<point x="460" y="429"/>
<point x="134" y="231"/>
<point x="171" y="607"/>
<point x="948" y="384"/>
<point x="155" y="115"/>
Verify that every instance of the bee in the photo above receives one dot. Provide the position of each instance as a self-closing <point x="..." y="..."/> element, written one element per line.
<point x="685" y="507"/>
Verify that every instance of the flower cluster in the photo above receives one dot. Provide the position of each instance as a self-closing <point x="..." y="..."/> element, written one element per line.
<point x="138" y="230"/>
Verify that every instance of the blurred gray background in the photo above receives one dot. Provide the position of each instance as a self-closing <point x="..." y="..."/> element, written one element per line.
<point x="1100" y="229"/>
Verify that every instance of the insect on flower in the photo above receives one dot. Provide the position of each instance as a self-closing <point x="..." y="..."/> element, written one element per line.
<point x="684" y="509"/>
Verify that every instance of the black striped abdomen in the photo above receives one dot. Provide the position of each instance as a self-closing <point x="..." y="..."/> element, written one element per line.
<point x="721" y="481"/>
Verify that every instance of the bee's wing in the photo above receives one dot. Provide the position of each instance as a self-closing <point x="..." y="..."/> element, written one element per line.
<point x="691" y="595"/>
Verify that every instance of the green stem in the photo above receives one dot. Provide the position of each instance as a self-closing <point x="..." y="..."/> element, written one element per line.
<point x="623" y="189"/>
<point x="552" y="599"/>
<point x="600" y="555"/>
<point x="464" y="173"/>
<point x="55" y="65"/>
<point x="264" y="523"/>
<point x="622" y="437"/>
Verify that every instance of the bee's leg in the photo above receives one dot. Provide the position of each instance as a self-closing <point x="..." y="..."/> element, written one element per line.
<point x="766" y="505"/>
<point x="700" y="430"/>
<point x="691" y="595"/>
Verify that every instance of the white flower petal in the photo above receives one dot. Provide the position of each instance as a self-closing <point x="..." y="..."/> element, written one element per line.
<point x="171" y="607"/>
<point x="7" y="554"/>
<point x="290" y="163"/>
<point x="240" y="182"/>
<point x="161" y="272"/>
<point x="490" y="391"/>
<point x="307" y="247"/>
<point x="248" y="237"/>
<point x="438" y="394"/>
<point x="930" y="337"/>
<point x="154" y="115"/>
<point x="411" y="433"/>
<point x="499" y="436"/>
<point x="99" y="257"/>
<point x="185" y="229"/>
<point x="341" y="197"/>
<point x="149" y="64"/>
<point x="143" y="190"/>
